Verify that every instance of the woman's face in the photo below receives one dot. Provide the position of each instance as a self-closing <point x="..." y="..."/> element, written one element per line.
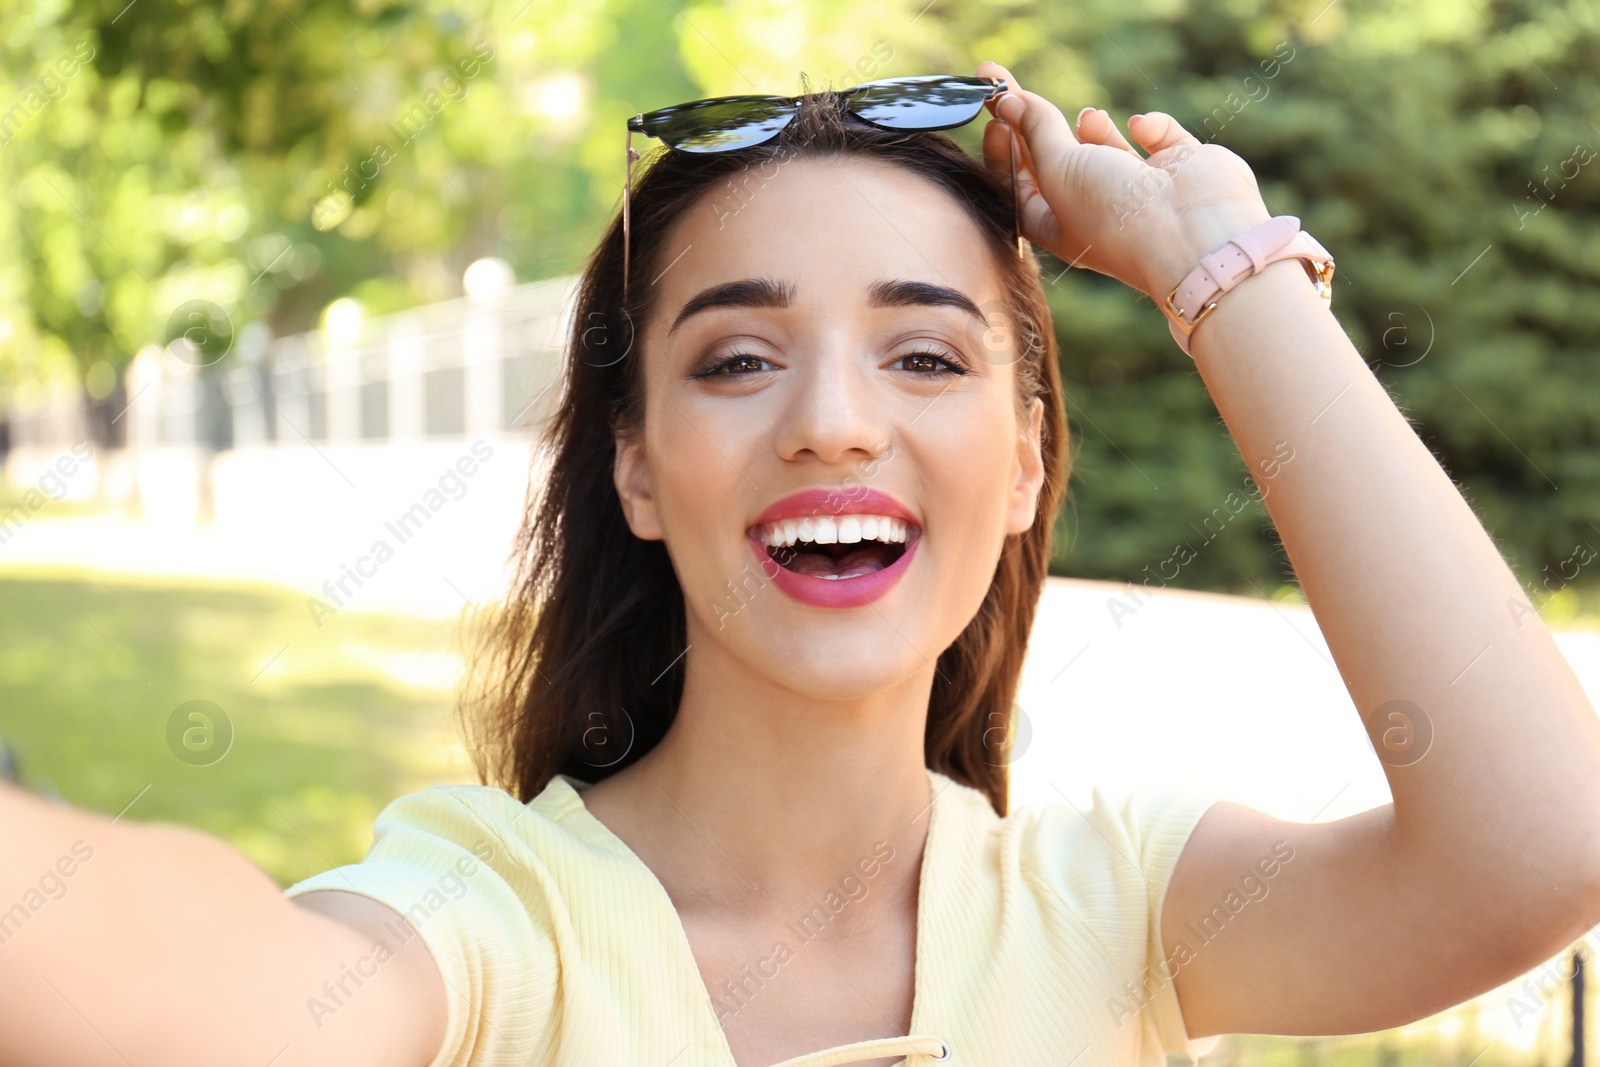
<point x="865" y="355"/>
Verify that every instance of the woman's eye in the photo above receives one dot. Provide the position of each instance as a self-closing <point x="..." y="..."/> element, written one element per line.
<point x="744" y="362"/>
<point x="924" y="364"/>
<point x="932" y="364"/>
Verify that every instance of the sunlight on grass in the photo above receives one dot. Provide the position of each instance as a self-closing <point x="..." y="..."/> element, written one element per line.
<point x="328" y="724"/>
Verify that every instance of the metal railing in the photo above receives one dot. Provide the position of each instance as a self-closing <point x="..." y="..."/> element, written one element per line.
<point x="447" y="371"/>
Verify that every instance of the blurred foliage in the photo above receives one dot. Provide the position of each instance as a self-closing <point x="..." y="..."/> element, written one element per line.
<point x="271" y="158"/>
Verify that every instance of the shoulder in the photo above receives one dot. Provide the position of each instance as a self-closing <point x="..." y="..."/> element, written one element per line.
<point x="1082" y="882"/>
<point x="466" y="868"/>
<point x="1110" y="859"/>
<point x="1133" y="835"/>
<point x="1109" y="862"/>
<point x="452" y="842"/>
<point x="532" y="840"/>
<point x="1115" y="840"/>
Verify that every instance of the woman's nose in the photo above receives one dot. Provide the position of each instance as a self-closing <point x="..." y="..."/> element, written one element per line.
<point x="832" y="411"/>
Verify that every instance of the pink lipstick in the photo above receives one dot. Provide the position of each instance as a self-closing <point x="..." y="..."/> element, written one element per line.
<point x="835" y="592"/>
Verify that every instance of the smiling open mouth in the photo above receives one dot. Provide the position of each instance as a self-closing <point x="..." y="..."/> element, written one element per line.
<point x="848" y="546"/>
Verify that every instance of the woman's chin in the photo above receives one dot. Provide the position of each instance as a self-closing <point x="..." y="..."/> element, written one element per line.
<point x="840" y="663"/>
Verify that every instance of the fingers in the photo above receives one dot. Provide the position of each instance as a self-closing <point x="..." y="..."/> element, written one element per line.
<point x="1096" y="127"/>
<point x="1040" y="122"/>
<point x="1043" y="126"/>
<point x="990" y="69"/>
<point x="998" y="144"/>
<point x="1156" y="131"/>
<point x="999" y="140"/>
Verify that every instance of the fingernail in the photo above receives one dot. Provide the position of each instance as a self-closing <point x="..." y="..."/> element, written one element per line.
<point x="1084" y="112"/>
<point x="1010" y="107"/>
<point x="1132" y="117"/>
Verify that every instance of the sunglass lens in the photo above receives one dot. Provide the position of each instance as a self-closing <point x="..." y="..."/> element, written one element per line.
<point x="931" y="102"/>
<point x="722" y="125"/>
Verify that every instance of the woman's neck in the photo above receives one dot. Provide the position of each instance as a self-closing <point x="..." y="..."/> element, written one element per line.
<point x="759" y="796"/>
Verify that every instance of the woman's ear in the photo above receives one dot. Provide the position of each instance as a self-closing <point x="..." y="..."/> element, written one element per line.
<point x="1029" y="479"/>
<point x="631" y="475"/>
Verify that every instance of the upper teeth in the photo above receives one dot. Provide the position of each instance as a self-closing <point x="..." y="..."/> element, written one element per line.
<point x="825" y="530"/>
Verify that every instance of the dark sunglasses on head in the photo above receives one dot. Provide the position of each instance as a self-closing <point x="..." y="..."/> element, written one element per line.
<point x="727" y="123"/>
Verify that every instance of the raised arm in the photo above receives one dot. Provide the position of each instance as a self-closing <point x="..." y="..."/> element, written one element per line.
<point x="123" y="942"/>
<point x="1488" y="859"/>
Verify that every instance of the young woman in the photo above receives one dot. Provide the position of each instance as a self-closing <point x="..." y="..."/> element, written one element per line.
<point x="748" y="732"/>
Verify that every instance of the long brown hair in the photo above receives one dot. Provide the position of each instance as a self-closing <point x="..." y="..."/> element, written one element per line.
<point x="580" y="670"/>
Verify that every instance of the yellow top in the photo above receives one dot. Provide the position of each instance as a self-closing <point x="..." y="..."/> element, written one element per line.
<point x="1037" y="935"/>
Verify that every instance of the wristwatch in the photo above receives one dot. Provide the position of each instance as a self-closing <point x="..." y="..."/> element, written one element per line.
<point x="1280" y="237"/>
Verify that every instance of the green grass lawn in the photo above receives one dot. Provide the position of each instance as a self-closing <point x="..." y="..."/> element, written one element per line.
<point x="328" y="724"/>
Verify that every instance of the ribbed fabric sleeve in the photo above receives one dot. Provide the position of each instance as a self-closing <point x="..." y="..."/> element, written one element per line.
<point x="441" y="858"/>
<point x="1159" y="822"/>
<point x="1109" y="865"/>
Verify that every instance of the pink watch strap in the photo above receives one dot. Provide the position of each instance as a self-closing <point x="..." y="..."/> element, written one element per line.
<point x="1249" y="253"/>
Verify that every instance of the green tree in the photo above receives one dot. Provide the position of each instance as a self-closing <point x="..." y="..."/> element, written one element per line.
<point x="268" y="159"/>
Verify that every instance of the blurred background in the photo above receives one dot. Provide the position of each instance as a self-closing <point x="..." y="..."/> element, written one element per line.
<point x="283" y="290"/>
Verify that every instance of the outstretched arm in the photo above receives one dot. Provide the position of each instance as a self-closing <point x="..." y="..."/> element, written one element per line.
<point x="1488" y="859"/>
<point x="152" y="943"/>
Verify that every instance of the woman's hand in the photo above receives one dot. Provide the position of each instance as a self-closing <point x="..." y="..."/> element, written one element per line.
<point x="1090" y="198"/>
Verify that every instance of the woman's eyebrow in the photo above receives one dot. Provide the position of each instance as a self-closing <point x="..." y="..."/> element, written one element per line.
<point x="765" y="292"/>
<point x="745" y="293"/>
<point x="906" y="294"/>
